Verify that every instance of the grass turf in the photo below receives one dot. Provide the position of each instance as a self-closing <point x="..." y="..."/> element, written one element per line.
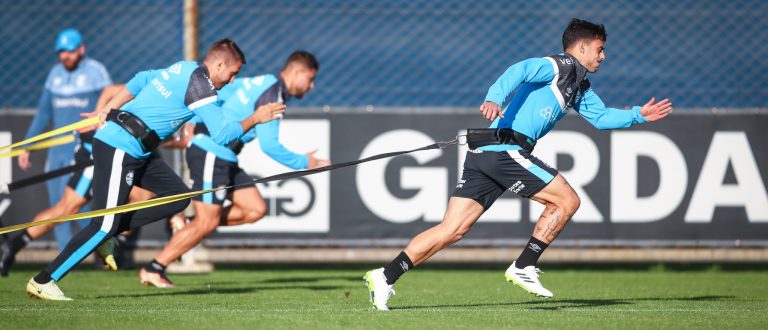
<point x="435" y="296"/>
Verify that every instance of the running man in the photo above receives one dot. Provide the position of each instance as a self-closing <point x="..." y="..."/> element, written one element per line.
<point x="214" y="165"/>
<point x="556" y="83"/>
<point x="161" y="101"/>
<point x="76" y="194"/>
<point x="72" y="87"/>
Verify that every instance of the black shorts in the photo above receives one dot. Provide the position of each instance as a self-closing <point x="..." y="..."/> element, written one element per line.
<point x="208" y="171"/>
<point x="487" y="174"/>
<point x="80" y="181"/>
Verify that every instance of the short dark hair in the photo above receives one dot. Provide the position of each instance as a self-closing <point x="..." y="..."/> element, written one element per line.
<point x="226" y="49"/>
<point x="579" y="30"/>
<point x="303" y="57"/>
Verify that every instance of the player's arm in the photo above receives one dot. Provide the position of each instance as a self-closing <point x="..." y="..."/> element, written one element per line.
<point x="269" y="142"/>
<point x="592" y="108"/>
<point x="201" y="98"/>
<point x="532" y="70"/>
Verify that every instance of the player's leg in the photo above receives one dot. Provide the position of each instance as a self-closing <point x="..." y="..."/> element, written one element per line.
<point x="70" y="203"/>
<point x="543" y="184"/>
<point x="206" y="171"/>
<point x="248" y="206"/>
<point x="207" y="218"/>
<point x="113" y="175"/>
<point x="56" y="186"/>
<point x="474" y="194"/>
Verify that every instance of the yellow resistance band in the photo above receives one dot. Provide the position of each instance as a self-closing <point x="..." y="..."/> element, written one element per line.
<point x="40" y="145"/>
<point x="66" y="129"/>
<point x="111" y="210"/>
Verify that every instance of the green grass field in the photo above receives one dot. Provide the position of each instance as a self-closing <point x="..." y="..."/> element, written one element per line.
<point x="435" y="296"/>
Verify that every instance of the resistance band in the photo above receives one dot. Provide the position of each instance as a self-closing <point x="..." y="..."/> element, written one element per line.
<point x="170" y="199"/>
<point x="40" y="145"/>
<point x="66" y="129"/>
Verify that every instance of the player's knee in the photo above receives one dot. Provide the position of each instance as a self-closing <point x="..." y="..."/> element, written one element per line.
<point x="255" y="212"/>
<point x="572" y="203"/>
<point x="178" y="206"/>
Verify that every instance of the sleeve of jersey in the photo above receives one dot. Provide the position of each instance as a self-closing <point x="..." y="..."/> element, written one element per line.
<point x="269" y="142"/>
<point x="141" y="79"/>
<point x="43" y="116"/>
<point x="201" y="99"/>
<point x="596" y="113"/>
<point x="532" y="70"/>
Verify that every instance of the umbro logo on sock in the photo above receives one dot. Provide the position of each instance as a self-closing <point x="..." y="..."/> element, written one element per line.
<point x="535" y="247"/>
<point x="404" y="266"/>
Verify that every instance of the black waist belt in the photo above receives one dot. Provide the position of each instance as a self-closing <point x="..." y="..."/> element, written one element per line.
<point x="146" y="137"/>
<point x="480" y="137"/>
<point x="235" y="145"/>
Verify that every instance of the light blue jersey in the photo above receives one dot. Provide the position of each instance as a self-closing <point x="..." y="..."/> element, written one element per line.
<point x="548" y="88"/>
<point x="243" y="97"/>
<point x="65" y="96"/>
<point x="164" y="100"/>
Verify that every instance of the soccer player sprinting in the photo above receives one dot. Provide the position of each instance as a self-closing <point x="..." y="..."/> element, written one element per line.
<point x="214" y="165"/>
<point x="76" y="194"/>
<point x="548" y="88"/>
<point x="161" y="101"/>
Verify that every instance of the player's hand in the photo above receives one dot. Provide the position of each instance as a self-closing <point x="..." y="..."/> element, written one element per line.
<point x="24" y="162"/>
<point x="102" y="118"/>
<point x="269" y="112"/>
<point x="656" y="111"/>
<point x="315" y="162"/>
<point x="187" y="133"/>
<point x="490" y="110"/>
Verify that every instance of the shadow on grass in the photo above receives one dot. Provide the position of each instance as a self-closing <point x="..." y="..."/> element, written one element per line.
<point x="286" y="280"/>
<point x="218" y="290"/>
<point x="555" y="304"/>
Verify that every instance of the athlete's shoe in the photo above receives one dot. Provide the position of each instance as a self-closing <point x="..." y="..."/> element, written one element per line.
<point x="158" y="280"/>
<point x="47" y="291"/>
<point x="6" y="258"/>
<point x="106" y="252"/>
<point x="379" y="289"/>
<point x="528" y="279"/>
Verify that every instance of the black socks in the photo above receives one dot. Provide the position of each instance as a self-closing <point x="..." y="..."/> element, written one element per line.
<point x="19" y="242"/>
<point x="531" y="253"/>
<point x="155" y="267"/>
<point x="401" y="264"/>
<point x="43" y="277"/>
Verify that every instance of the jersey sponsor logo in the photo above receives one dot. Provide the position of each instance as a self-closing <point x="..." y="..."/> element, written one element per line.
<point x="165" y="75"/>
<point x="165" y="92"/>
<point x="65" y="102"/>
<point x="175" y="69"/>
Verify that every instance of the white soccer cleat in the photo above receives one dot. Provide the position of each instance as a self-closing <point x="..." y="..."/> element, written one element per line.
<point x="379" y="289"/>
<point x="47" y="291"/>
<point x="528" y="279"/>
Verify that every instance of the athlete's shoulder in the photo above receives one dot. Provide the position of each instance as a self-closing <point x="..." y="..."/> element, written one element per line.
<point x="200" y="88"/>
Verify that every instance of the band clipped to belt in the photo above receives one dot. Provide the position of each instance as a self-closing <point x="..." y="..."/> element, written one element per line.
<point x="480" y="137"/>
<point x="147" y="138"/>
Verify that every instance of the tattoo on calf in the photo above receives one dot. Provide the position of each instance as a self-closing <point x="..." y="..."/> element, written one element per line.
<point x="553" y="225"/>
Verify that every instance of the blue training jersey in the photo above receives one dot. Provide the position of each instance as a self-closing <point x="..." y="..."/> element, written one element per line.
<point x="164" y="100"/>
<point x="240" y="100"/>
<point x="67" y="94"/>
<point x="548" y="88"/>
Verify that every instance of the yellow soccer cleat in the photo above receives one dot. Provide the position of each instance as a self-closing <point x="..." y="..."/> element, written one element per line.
<point x="106" y="252"/>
